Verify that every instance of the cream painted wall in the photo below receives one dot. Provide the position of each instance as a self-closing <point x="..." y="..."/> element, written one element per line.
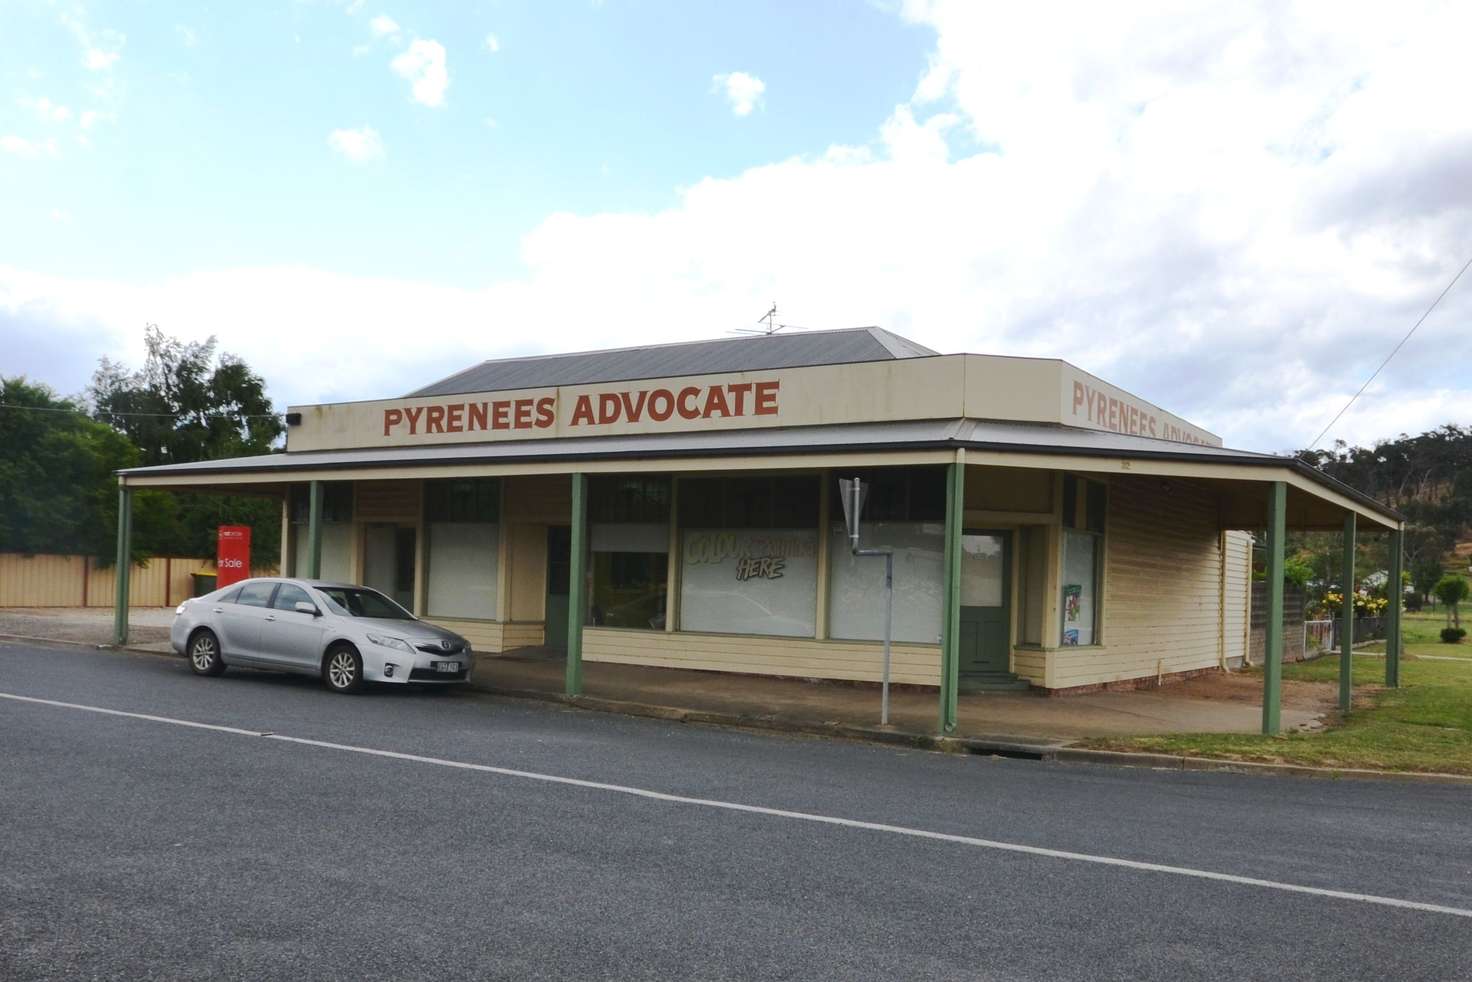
<point x="1161" y="596"/>
<point x="860" y="661"/>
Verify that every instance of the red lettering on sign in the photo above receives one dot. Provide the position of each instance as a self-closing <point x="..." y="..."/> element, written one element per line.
<point x="633" y="409"/>
<point x="766" y="398"/>
<point x="545" y="415"/>
<point x="476" y="417"/>
<point x="413" y="415"/>
<point x="391" y="418"/>
<point x="656" y="412"/>
<point x="500" y="415"/>
<point x="434" y="419"/>
<point x="524" y="414"/>
<point x="738" y="391"/>
<point x="688" y="409"/>
<point x="583" y="411"/>
<point x="608" y="408"/>
<point x="715" y="402"/>
<point x="454" y="417"/>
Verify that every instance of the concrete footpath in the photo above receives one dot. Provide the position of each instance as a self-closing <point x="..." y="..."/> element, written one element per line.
<point x="1214" y="704"/>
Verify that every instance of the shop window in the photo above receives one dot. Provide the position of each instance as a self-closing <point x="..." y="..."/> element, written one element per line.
<point x="337" y="502"/>
<point x="749" y="555"/>
<point x="1083" y="528"/>
<point x="629" y="541"/>
<point x="337" y="529"/>
<point x="463" y="548"/>
<point x="904" y="510"/>
<point x="750" y="502"/>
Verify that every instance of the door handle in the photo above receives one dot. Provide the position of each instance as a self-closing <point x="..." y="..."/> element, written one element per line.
<point x="217" y="610"/>
<point x="270" y="617"/>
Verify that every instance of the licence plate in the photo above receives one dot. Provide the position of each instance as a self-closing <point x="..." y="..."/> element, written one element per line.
<point x="447" y="666"/>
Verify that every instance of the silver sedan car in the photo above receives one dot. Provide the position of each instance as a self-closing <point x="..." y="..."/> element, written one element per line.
<point x="346" y="634"/>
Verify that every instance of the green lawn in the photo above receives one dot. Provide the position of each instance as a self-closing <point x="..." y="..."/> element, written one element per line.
<point x="1425" y="725"/>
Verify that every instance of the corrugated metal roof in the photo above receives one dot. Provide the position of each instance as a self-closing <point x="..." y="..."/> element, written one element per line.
<point x="745" y="354"/>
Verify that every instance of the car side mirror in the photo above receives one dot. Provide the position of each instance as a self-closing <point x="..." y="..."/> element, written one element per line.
<point x="307" y="608"/>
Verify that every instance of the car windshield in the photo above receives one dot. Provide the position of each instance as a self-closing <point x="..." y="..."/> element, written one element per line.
<point x="357" y="601"/>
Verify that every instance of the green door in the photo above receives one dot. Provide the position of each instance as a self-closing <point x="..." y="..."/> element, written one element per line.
<point x="986" y="591"/>
<point x="559" y="568"/>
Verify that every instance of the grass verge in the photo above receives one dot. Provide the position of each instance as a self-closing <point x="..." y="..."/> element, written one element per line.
<point x="1425" y="725"/>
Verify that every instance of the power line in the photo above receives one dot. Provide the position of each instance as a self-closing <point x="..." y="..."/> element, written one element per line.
<point x="1392" y="354"/>
<point x="109" y="412"/>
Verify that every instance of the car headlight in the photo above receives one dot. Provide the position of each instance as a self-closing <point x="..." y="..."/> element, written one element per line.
<point x="180" y="609"/>
<point x="387" y="642"/>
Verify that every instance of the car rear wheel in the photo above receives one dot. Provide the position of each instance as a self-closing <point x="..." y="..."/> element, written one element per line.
<point x="204" y="654"/>
<point x="342" y="669"/>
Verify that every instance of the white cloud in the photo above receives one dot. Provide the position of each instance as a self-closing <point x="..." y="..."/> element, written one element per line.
<point x="19" y="146"/>
<point x="100" y="49"/>
<point x="423" y="65"/>
<point x="187" y="35"/>
<point x="742" y="91"/>
<point x="1234" y="214"/>
<point x="45" y="109"/>
<point x="492" y="43"/>
<point x="360" y="145"/>
<point x="384" y="26"/>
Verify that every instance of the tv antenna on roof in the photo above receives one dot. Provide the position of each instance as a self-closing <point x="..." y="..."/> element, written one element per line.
<point x="769" y="320"/>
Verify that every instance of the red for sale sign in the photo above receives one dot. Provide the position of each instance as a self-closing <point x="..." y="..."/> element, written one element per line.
<point x="232" y="559"/>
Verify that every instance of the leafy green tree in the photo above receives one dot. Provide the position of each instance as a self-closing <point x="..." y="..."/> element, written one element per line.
<point x="58" y="492"/>
<point x="189" y="403"/>
<point x="1451" y="590"/>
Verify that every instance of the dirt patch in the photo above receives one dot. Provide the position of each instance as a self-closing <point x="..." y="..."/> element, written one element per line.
<point x="1235" y="687"/>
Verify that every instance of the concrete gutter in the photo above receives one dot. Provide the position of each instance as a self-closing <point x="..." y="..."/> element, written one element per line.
<point x="981" y="745"/>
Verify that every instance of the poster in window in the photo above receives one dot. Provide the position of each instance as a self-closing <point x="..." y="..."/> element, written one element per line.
<point x="1081" y="584"/>
<point x="749" y="581"/>
<point x="1072" y="593"/>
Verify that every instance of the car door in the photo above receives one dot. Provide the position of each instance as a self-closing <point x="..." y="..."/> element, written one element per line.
<point x="240" y="622"/>
<point x="289" y="636"/>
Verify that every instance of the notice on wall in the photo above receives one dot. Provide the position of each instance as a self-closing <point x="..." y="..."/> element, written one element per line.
<point x="749" y="581"/>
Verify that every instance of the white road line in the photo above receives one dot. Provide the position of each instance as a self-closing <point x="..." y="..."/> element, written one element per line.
<point x="851" y="823"/>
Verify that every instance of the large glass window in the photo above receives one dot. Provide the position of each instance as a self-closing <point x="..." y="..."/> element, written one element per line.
<point x="749" y="555"/>
<point x="904" y="510"/>
<point x="337" y="529"/>
<point x="629" y="543"/>
<point x="1083" y="528"/>
<point x="462" y="519"/>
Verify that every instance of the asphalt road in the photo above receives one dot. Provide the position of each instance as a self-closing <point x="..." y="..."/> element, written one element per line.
<point x="138" y="848"/>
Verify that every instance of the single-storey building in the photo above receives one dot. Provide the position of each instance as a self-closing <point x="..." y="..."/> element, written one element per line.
<point x="676" y="505"/>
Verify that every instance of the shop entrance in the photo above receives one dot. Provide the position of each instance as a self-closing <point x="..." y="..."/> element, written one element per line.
<point x="559" y="568"/>
<point x="986" y="626"/>
<point x="388" y="561"/>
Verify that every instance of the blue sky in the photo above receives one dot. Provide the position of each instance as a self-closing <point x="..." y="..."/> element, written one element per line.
<point x="1232" y="210"/>
<point x="215" y="151"/>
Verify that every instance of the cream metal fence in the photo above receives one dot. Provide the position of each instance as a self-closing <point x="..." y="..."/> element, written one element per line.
<point x="77" y="581"/>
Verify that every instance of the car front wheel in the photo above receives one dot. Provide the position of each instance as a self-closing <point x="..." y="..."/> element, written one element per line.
<point x="204" y="654"/>
<point x="342" y="669"/>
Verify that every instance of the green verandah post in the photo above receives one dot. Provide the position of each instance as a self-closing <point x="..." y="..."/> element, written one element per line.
<point x="1272" y="666"/>
<point x="1346" y="619"/>
<point x="124" y="566"/>
<point x="314" y="531"/>
<point x="575" y="577"/>
<point x="1395" y="594"/>
<point x="950" y="629"/>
